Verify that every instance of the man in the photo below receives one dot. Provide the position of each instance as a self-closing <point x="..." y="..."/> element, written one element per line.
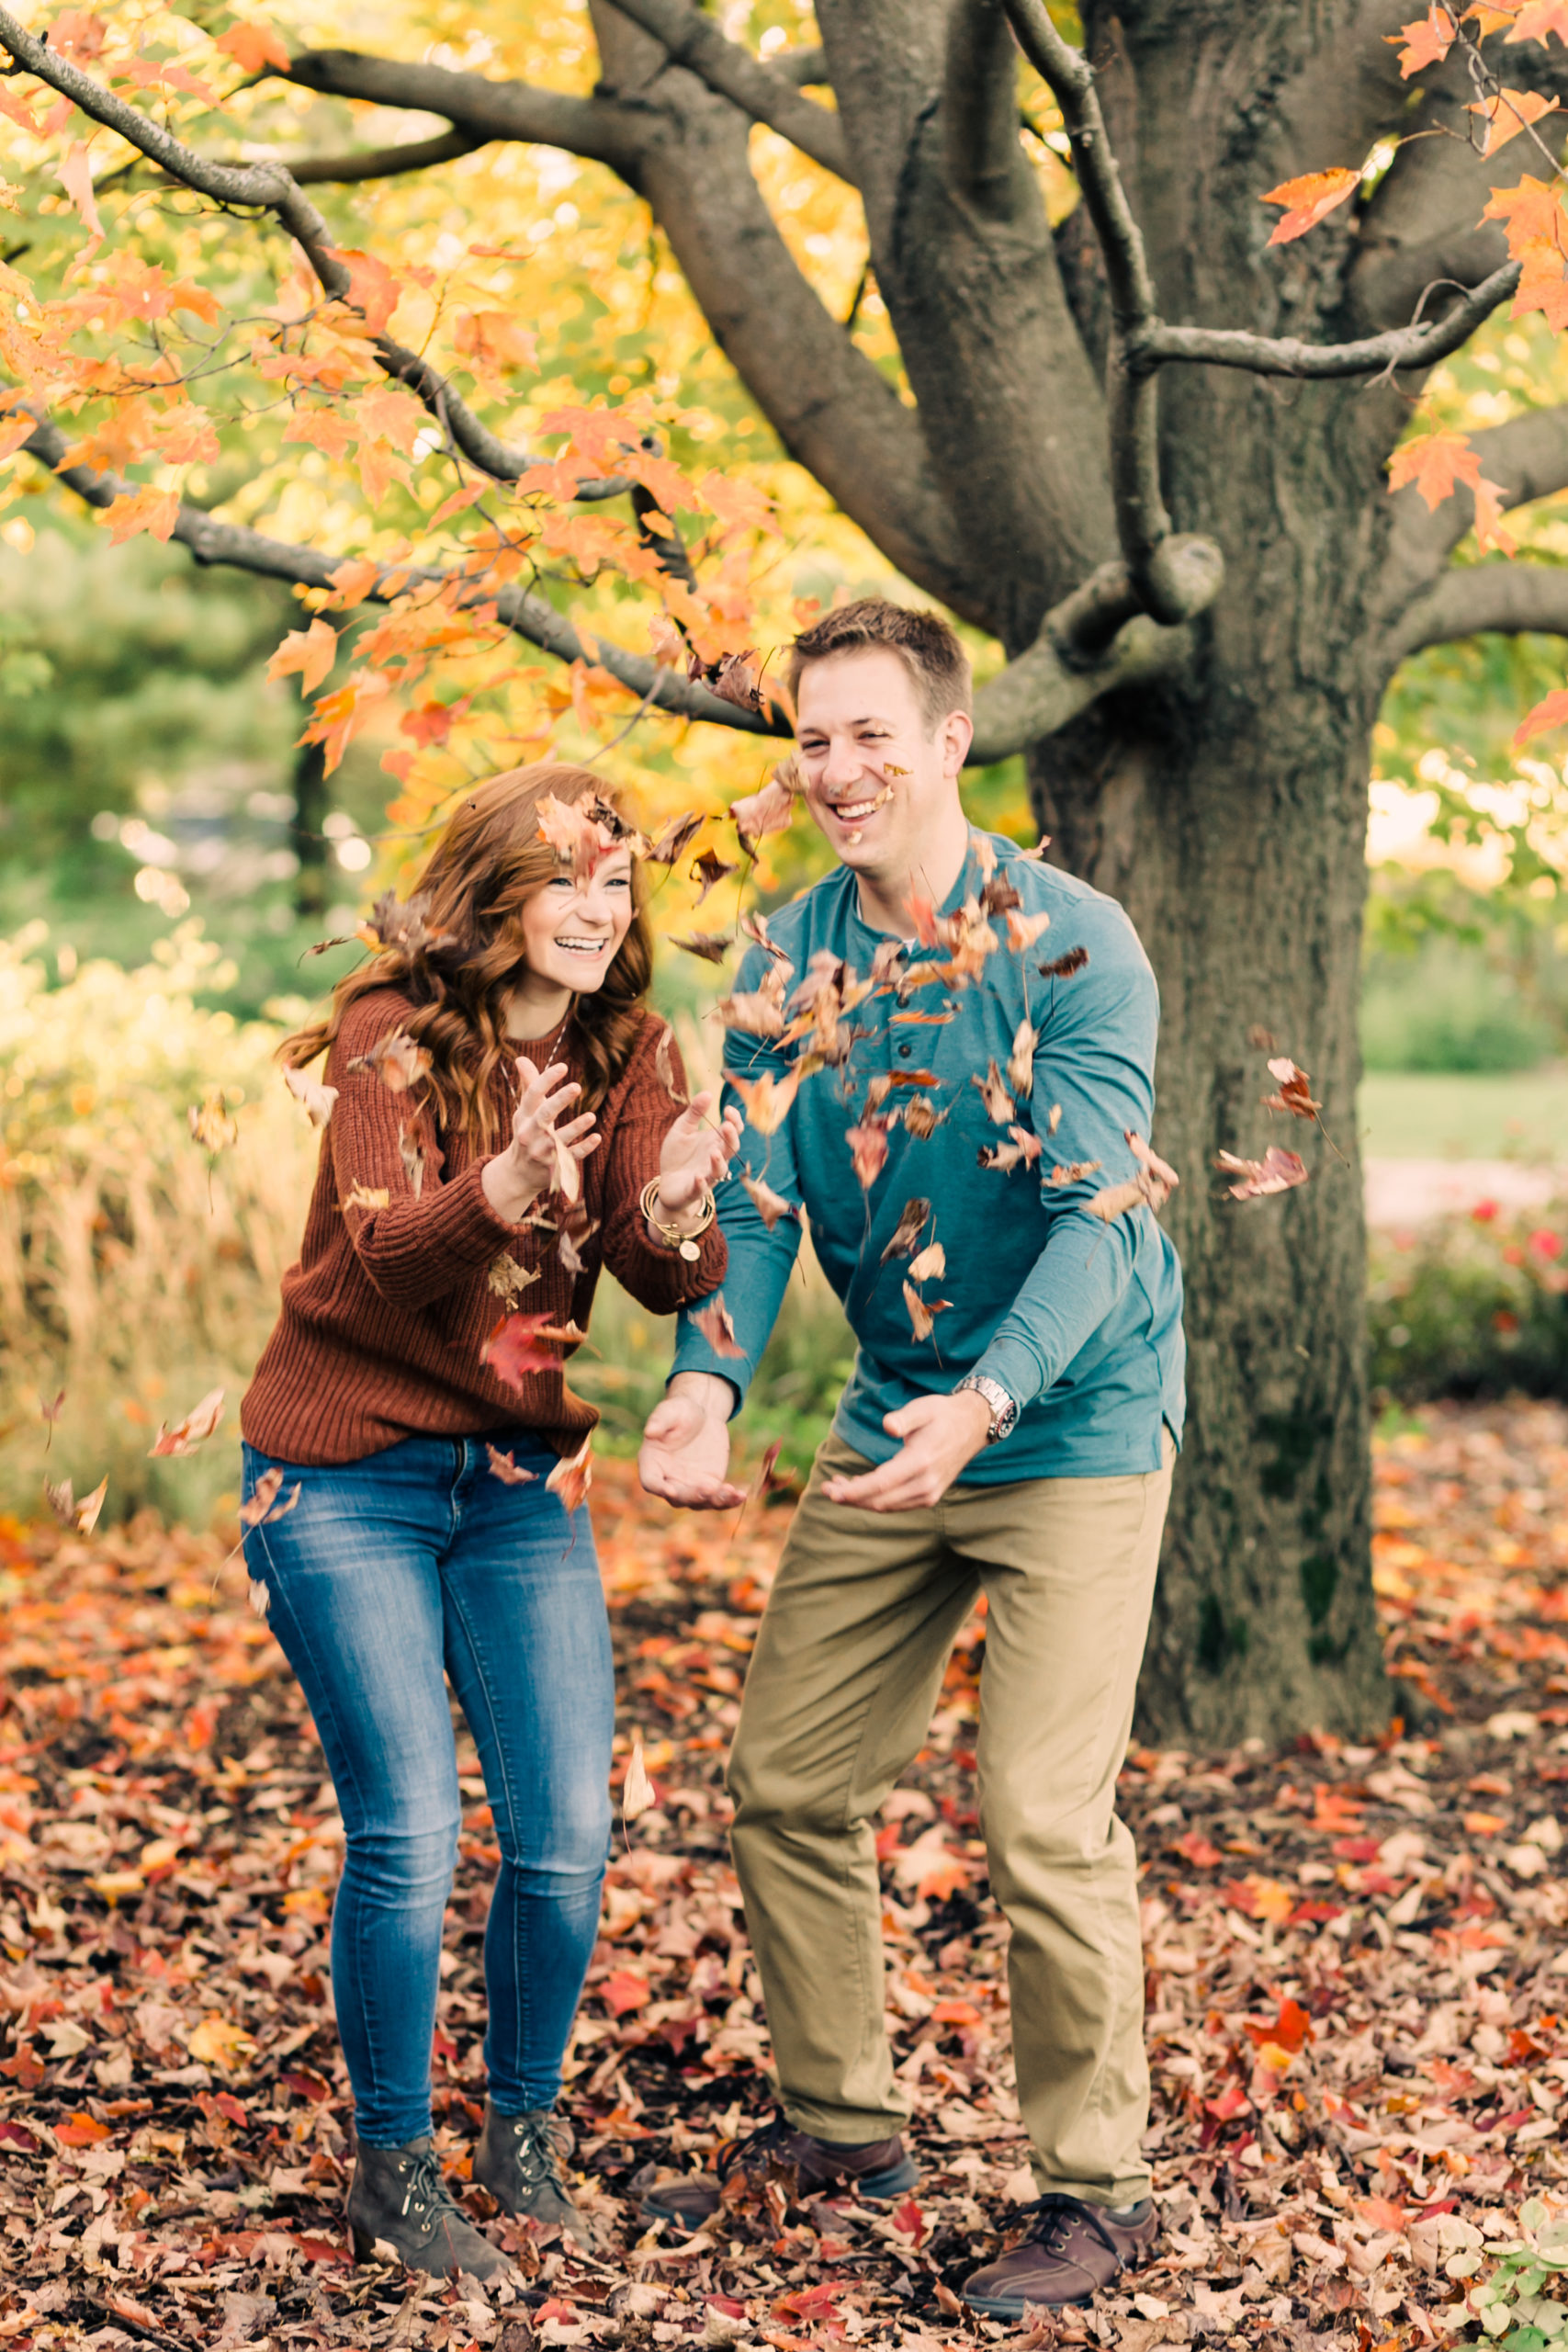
<point x="1009" y="1426"/>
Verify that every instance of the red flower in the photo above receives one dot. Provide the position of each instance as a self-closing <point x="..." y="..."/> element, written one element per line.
<point x="1545" y="1243"/>
<point x="1513" y="1255"/>
<point x="1484" y="1212"/>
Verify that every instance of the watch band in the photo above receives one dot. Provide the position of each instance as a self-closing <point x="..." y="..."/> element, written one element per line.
<point x="1004" y="1408"/>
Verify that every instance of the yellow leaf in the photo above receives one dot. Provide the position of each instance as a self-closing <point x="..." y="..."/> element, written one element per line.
<point x="75" y="173"/>
<point x="311" y="651"/>
<point x="217" y="2043"/>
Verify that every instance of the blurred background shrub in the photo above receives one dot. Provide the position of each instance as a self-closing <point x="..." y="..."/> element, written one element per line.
<point x="1471" y="1305"/>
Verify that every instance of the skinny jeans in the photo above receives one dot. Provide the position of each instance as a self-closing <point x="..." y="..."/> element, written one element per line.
<point x="388" y="1577"/>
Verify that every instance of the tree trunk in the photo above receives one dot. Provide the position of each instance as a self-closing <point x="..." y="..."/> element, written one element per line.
<point x="305" y="835"/>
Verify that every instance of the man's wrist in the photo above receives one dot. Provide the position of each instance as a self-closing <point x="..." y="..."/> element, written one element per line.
<point x="717" y="1396"/>
<point x="1000" y="1407"/>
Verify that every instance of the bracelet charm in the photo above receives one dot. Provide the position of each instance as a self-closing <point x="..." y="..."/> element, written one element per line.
<point x="675" y="1236"/>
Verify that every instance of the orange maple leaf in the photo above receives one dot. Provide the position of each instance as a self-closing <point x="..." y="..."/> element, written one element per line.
<point x="1428" y="41"/>
<point x="252" y="45"/>
<point x="341" y="716"/>
<point x="391" y="414"/>
<point x="1308" y="199"/>
<point x="1552" y="712"/>
<point x="1489" y="528"/>
<point x="76" y="176"/>
<point x="372" y="287"/>
<point x="1435" y="462"/>
<point x="491" y="340"/>
<point x="1539" y="17"/>
<point x="142" y="509"/>
<point x="323" y="428"/>
<point x="311" y="651"/>
<point x="1508" y="113"/>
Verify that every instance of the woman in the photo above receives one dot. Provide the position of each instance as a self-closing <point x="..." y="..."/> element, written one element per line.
<point x="494" y="1061"/>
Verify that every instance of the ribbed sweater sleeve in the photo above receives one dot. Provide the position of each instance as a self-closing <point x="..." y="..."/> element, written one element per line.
<point x="420" y="1246"/>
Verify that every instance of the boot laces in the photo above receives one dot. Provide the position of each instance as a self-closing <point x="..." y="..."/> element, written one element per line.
<point x="426" y="2195"/>
<point x="1055" y="2218"/>
<point x="753" y="2152"/>
<point x="540" y="2143"/>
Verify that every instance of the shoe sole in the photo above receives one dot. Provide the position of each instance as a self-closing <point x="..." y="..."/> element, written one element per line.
<point x="874" y="2188"/>
<point x="1013" y="2307"/>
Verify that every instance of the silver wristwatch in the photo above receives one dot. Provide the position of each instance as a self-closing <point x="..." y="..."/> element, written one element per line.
<point x="1004" y="1408"/>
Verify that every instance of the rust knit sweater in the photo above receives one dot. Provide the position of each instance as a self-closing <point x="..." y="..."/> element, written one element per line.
<point x="384" y="1315"/>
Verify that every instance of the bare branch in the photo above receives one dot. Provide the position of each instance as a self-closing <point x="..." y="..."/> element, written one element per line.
<point x="1046" y="687"/>
<point x="518" y="609"/>
<point x="1420" y="345"/>
<point x="380" y="163"/>
<point x="1512" y="598"/>
<point x="269" y="188"/>
<point x="597" y="127"/>
<point x="1175" y="579"/>
<point x="690" y="39"/>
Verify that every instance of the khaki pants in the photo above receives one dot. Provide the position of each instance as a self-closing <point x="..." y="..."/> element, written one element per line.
<point x="847" y="1667"/>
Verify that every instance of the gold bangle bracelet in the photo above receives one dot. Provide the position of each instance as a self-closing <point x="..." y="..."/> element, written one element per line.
<point x="675" y="1236"/>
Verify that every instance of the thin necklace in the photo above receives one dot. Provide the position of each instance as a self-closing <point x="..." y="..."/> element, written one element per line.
<point x="543" y="1061"/>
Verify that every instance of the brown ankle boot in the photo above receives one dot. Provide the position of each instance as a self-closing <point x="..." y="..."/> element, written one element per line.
<point x="878" y="2169"/>
<point x="1070" y="2250"/>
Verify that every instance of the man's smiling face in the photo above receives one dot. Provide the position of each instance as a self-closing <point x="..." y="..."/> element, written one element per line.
<point x="881" y="782"/>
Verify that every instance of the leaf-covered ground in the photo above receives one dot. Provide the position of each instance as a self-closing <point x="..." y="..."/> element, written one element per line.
<point x="1356" y="1959"/>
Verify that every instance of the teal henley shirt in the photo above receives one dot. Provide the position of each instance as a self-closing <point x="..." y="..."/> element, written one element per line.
<point x="1078" y="1319"/>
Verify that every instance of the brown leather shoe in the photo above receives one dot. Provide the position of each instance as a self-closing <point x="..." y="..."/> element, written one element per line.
<point x="879" y="2169"/>
<point x="1069" y="2251"/>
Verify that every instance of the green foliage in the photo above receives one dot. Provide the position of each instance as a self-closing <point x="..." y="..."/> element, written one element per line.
<point x="1510" y="2305"/>
<point x="1447" y="1008"/>
<point x="1470" y="1305"/>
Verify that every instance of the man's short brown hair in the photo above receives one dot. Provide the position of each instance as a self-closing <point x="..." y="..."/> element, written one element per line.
<point x="927" y="645"/>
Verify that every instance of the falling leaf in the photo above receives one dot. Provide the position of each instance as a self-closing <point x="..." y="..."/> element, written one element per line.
<point x="1000" y="1104"/>
<point x="716" y="1323"/>
<point x="263" y="1497"/>
<point x="1024" y="1149"/>
<point x="507" y="1279"/>
<point x="920" y="1117"/>
<point x="259" y="1596"/>
<point x="577" y="1229"/>
<point x="709" y="870"/>
<point x="578" y="838"/>
<point x="367" y="1196"/>
<point x="711" y="946"/>
<point x="197" y="1425"/>
<point x="676" y="837"/>
<point x="759" y="1012"/>
<point x="911" y="1225"/>
<point x="84" y="1515"/>
<point x="211" y="1125"/>
<point x="1308" y="199"/>
<point x="664" y="1067"/>
<point x="923" y="1311"/>
<point x="1063" y="967"/>
<point x="1073" y="1173"/>
<point x="572" y="1477"/>
<point x="51" y="1414"/>
<point x="734" y="680"/>
<point x="519" y="1345"/>
<point x="771" y="810"/>
<point x="767" y="1099"/>
<point x="770" y="1205"/>
<point x="1150" y="1188"/>
<point x="929" y="1265"/>
<point x="403" y="930"/>
<point x="316" y="1099"/>
<point x="1295" y="1090"/>
<point x="411" y="1150"/>
<point x="1054" y="1119"/>
<point x="1277" y="1171"/>
<point x="1021" y="1060"/>
<point x="396" y="1060"/>
<point x="1024" y="930"/>
<point x="868" y="1150"/>
<point x="638" y="1793"/>
<point x="504" y="1467"/>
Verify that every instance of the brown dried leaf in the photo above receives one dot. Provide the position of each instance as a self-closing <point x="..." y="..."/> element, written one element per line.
<point x="403" y="929"/>
<point x="1062" y="968"/>
<point x="316" y="1099"/>
<point x="1021" y="1060"/>
<point x="1024" y="930"/>
<point x="509" y="1472"/>
<point x="920" y="1117"/>
<point x="759" y="1012"/>
<point x="709" y="870"/>
<point x="734" y="680"/>
<point x="411" y="1150"/>
<point x="1277" y="1171"/>
<point x="211" y="1124"/>
<point x="83" y="1516"/>
<point x="1073" y="1173"/>
<point x="1024" y="1149"/>
<point x="929" y="1265"/>
<point x="396" y="1060"/>
<point x="198" y="1424"/>
<point x="507" y="1279"/>
<point x="868" y="1150"/>
<point x="638" y="1791"/>
<point x="1150" y="1188"/>
<point x="771" y="810"/>
<point x="711" y="946"/>
<point x="676" y="837"/>
<point x="767" y="1099"/>
<point x="1000" y="1104"/>
<point x="770" y="1205"/>
<point x="572" y="1477"/>
<point x="923" y="1312"/>
<point x="1295" y="1091"/>
<point x="716" y="1324"/>
<point x="367" y="1196"/>
<point x="911" y="1225"/>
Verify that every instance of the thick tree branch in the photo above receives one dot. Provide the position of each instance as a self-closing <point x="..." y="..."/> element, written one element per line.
<point x="690" y="39"/>
<point x="598" y="128"/>
<point x="380" y="163"/>
<point x="518" y="609"/>
<point x="1175" y="577"/>
<point x="1513" y="598"/>
<point x="1046" y="687"/>
<point x="981" y="157"/>
<point x="269" y="188"/>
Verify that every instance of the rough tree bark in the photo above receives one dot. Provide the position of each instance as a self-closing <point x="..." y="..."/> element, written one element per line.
<point x="1198" y="748"/>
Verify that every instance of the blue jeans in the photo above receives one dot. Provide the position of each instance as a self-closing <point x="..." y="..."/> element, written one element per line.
<point x="389" y="1575"/>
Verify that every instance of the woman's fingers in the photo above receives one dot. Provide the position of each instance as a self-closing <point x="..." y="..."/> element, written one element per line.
<point x="589" y="1143"/>
<point x="573" y="1128"/>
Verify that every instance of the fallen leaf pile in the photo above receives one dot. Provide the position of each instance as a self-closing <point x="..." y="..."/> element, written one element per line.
<point x="1357" y="1956"/>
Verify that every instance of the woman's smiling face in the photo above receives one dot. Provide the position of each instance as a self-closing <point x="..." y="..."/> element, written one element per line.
<point x="572" y="931"/>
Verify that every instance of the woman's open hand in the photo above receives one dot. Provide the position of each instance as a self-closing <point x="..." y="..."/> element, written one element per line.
<point x="543" y="1154"/>
<point x="693" y="1157"/>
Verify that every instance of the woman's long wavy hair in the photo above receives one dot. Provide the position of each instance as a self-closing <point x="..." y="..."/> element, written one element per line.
<point x="487" y="863"/>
